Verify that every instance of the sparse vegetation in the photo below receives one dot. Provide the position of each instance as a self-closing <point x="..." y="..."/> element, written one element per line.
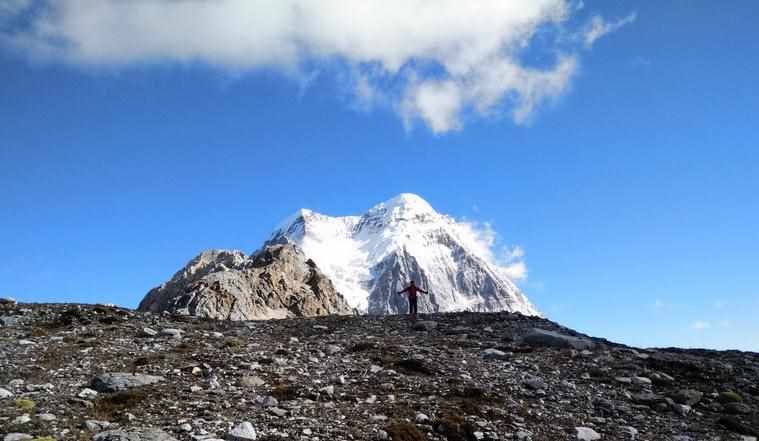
<point x="233" y="343"/>
<point x="25" y="405"/>
<point x="109" y="406"/>
<point x="400" y="431"/>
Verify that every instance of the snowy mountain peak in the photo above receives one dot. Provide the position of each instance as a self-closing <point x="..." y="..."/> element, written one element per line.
<point x="372" y="256"/>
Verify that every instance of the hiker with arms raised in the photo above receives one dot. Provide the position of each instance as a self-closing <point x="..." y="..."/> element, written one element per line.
<point x="412" y="291"/>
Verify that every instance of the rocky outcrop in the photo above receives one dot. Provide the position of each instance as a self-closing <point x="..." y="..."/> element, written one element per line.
<point x="275" y="282"/>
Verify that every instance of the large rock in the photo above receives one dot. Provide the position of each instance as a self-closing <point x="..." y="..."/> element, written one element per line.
<point x="134" y="435"/>
<point x="242" y="432"/>
<point x="119" y="381"/>
<point x="541" y="337"/>
<point x="275" y="282"/>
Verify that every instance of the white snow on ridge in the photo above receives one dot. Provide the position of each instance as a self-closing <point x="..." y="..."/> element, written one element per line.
<point x="349" y="249"/>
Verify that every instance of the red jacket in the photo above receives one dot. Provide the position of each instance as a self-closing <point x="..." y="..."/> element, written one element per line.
<point x="412" y="290"/>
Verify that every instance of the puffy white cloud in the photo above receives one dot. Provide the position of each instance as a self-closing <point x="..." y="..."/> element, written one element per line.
<point x="435" y="61"/>
<point x="598" y="27"/>
<point x="481" y="238"/>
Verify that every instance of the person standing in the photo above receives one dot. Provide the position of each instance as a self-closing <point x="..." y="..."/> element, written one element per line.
<point x="412" y="291"/>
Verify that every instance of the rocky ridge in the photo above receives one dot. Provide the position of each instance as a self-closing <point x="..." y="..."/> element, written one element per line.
<point x="276" y="282"/>
<point x="112" y="374"/>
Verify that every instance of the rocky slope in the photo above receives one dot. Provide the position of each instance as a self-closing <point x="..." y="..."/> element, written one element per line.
<point x="106" y="373"/>
<point x="372" y="256"/>
<point x="275" y="282"/>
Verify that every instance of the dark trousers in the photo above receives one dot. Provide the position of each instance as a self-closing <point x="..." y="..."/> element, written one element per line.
<point x="412" y="305"/>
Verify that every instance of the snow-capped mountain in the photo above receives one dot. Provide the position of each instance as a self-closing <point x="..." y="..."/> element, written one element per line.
<point x="372" y="256"/>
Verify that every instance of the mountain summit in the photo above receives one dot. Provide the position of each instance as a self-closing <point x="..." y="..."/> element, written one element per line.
<point x="371" y="256"/>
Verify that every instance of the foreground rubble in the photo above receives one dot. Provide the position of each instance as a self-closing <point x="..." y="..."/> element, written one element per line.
<point x="101" y="372"/>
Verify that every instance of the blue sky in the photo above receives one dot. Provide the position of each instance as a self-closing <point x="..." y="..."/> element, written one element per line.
<point x="631" y="183"/>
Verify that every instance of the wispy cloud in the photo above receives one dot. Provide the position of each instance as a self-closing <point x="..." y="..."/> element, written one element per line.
<point x="700" y="325"/>
<point x="481" y="237"/>
<point x="436" y="62"/>
<point x="598" y="27"/>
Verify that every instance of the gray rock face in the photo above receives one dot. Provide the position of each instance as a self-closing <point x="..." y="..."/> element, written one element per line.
<point x="118" y="381"/>
<point x="541" y="337"/>
<point x="275" y="282"/>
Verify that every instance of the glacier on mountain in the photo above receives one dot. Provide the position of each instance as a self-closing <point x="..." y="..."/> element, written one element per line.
<point x="372" y="256"/>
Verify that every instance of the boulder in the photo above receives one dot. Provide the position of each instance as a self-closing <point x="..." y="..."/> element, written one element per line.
<point x="149" y="434"/>
<point x="242" y="432"/>
<point x="587" y="434"/>
<point x="118" y="381"/>
<point x="542" y="338"/>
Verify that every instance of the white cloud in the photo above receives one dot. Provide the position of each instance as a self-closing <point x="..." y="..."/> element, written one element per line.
<point x="598" y="27"/>
<point x="434" y="61"/>
<point x="700" y="325"/>
<point x="481" y="237"/>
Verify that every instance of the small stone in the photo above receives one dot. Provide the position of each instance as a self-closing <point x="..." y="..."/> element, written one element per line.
<point x="185" y="428"/>
<point x="534" y="383"/>
<point x="494" y="354"/>
<point x="329" y="390"/>
<point x="378" y="418"/>
<point x="195" y="388"/>
<point x="23" y="419"/>
<point x="87" y="394"/>
<point x="46" y="417"/>
<point x="278" y="411"/>
<point x="307" y="431"/>
<point x="682" y="409"/>
<point x="737" y="408"/>
<point x="523" y="435"/>
<point x="17" y="437"/>
<point x="374" y="369"/>
<point x="382" y="435"/>
<point x="643" y="381"/>
<point x="422" y="418"/>
<point x="371" y="400"/>
<point x="630" y="432"/>
<point x="425" y="325"/>
<point x="624" y="380"/>
<point x="149" y="332"/>
<point x="217" y="335"/>
<point x="8" y="321"/>
<point x="25" y="342"/>
<point x="252" y="381"/>
<point x="5" y="393"/>
<point x="197" y="371"/>
<point x="270" y="402"/>
<point x="171" y="332"/>
<point x="688" y="397"/>
<point x="333" y="349"/>
<point x="242" y="432"/>
<point x="587" y="434"/>
<point x="95" y="425"/>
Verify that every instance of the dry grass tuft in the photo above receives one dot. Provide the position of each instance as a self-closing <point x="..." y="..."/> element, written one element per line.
<point x="399" y="431"/>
